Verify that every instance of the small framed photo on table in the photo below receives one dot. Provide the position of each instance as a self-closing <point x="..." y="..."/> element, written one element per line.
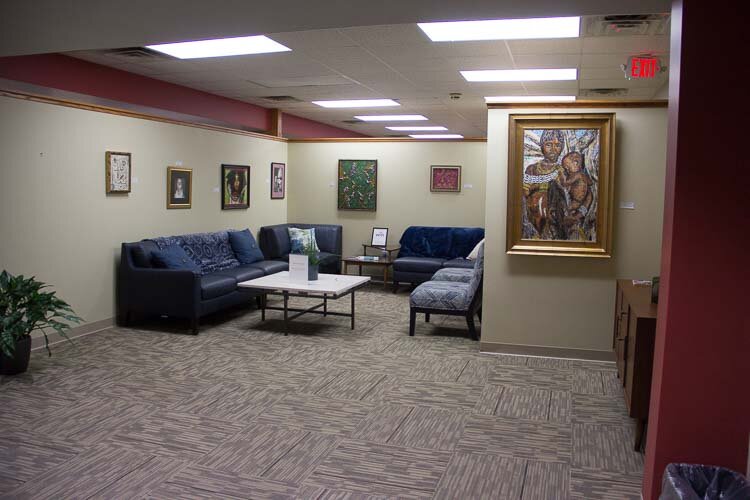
<point x="379" y="236"/>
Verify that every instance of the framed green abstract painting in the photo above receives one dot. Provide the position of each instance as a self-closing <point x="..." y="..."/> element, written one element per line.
<point x="358" y="185"/>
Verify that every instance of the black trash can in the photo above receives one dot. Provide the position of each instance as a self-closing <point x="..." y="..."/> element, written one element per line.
<point x="703" y="482"/>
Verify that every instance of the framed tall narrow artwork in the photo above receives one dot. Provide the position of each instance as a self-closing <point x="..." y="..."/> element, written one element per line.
<point x="358" y="185"/>
<point x="179" y="187"/>
<point x="278" y="181"/>
<point x="561" y="184"/>
<point x="235" y="187"/>
<point x="445" y="179"/>
<point x="117" y="172"/>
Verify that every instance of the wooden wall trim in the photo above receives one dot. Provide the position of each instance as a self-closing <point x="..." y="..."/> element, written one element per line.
<point x="545" y="351"/>
<point x="132" y="114"/>
<point x="386" y="139"/>
<point x="660" y="103"/>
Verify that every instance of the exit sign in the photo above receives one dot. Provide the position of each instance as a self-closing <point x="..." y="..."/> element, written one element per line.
<point x="642" y="67"/>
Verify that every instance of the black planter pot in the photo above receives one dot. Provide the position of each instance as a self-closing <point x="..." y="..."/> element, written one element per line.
<point x="19" y="363"/>
<point x="312" y="273"/>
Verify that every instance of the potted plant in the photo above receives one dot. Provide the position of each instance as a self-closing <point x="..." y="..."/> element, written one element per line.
<point x="24" y="308"/>
<point x="313" y="258"/>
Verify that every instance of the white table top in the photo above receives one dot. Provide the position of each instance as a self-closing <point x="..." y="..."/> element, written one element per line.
<point x="335" y="284"/>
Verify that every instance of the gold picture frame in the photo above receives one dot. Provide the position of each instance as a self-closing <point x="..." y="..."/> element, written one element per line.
<point x="117" y="172"/>
<point x="179" y="187"/>
<point x="561" y="175"/>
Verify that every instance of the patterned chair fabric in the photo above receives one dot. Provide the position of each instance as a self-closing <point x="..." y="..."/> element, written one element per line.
<point x="449" y="295"/>
<point x="453" y="274"/>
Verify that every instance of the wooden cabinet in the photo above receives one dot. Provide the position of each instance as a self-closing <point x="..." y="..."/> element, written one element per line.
<point x="633" y="343"/>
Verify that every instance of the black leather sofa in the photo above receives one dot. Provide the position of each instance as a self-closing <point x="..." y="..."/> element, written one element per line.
<point x="276" y="246"/>
<point x="144" y="290"/>
<point x="426" y="249"/>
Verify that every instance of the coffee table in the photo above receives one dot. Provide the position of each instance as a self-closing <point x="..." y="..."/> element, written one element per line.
<point x="327" y="286"/>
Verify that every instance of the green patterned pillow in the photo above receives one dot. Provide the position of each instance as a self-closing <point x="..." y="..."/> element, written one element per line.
<point x="300" y="238"/>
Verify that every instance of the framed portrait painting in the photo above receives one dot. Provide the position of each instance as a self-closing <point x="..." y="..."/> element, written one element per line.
<point x="117" y="172"/>
<point x="561" y="184"/>
<point x="278" y="181"/>
<point x="445" y="179"/>
<point x="358" y="185"/>
<point x="179" y="187"/>
<point x="235" y="187"/>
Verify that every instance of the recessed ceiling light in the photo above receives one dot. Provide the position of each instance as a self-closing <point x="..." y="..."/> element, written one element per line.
<point x="436" y="136"/>
<point x="220" y="47"/>
<point x="531" y="98"/>
<point x="391" y="118"/>
<point x="358" y="103"/>
<point x="503" y="29"/>
<point x="417" y="129"/>
<point x="520" y="75"/>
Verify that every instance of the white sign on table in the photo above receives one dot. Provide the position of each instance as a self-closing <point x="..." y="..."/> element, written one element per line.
<point x="298" y="268"/>
<point x="379" y="236"/>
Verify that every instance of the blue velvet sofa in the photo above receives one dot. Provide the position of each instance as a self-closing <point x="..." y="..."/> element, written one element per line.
<point x="275" y="244"/>
<point x="208" y="286"/>
<point x="425" y="250"/>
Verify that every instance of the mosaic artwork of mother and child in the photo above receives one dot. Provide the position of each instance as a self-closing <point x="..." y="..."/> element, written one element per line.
<point x="560" y="174"/>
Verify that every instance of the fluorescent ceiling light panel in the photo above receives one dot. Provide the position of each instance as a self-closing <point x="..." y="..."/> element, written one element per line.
<point x="520" y="75"/>
<point x="530" y="98"/>
<point x="436" y="136"/>
<point x="418" y="129"/>
<point x="503" y="29"/>
<point x="221" y="47"/>
<point x="391" y="118"/>
<point x="358" y="103"/>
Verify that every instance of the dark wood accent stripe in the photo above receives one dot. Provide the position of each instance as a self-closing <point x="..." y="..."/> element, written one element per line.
<point x="132" y="114"/>
<point x="658" y="103"/>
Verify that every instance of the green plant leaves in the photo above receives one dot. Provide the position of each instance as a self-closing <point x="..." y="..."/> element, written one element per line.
<point x="25" y="307"/>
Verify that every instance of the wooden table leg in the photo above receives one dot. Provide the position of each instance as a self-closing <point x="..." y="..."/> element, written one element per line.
<point x="353" y="308"/>
<point x="286" y="313"/>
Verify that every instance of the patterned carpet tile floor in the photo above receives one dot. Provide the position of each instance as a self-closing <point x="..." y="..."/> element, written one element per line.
<point x="242" y="411"/>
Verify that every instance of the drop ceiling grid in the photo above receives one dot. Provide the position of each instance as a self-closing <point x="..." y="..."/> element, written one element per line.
<point x="399" y="62"/>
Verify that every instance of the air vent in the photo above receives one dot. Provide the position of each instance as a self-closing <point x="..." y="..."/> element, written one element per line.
<point x="626" y="25"/>
<point x="603" y="92"/>
<point x="136" y="53"/>
<point x="281" y="98"/>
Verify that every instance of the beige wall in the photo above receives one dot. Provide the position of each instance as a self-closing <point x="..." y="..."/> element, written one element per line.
<point x="57" y="223"/>
<point x="568" y="302"/>
<point x="404" y="197"/>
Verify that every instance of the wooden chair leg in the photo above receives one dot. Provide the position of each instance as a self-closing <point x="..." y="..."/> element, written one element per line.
<point x="426" y="317"/>
<point x="412" y="321"/>
<point x="395" y="286"/>
<point x="472" y="328"/>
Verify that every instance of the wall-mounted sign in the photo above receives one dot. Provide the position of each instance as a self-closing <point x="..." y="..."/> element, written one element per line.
<point x="642" y="67"/>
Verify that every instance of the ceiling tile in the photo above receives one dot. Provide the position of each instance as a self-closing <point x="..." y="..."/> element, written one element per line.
<point x="630" y="44"/>
<point x="551" y="46"/>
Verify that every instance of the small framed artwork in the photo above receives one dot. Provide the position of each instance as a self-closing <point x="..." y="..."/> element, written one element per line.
<point x="278" y="181"/>
<point x="117" y="168"/>
<point x="179" y="187"/>
<point x="445" y="179"/>
<point x="379" y="236"/>
<point x="358" y="185"/>
<point x="235" y="187"/>
<point x="561" y="184"/>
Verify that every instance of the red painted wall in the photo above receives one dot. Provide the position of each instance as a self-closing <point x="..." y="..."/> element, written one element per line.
<point x="296" y="127"/>
<point x="75" y="75"/>
<point x="700" y="398"/>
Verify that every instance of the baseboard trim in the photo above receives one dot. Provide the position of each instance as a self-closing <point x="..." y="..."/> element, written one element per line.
<point x="78" y="331"/>
<point x="546" y="351"/>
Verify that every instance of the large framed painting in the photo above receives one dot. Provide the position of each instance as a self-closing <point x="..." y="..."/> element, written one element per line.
<point x="117" y="172"/>
<point x="278" y="181"/>
<point x="235" y="187"/>
<point x="561" y="184"/>
<point x="445" y="179"/>
<point x="179" y="187"/>
<point x="358" y="185"/>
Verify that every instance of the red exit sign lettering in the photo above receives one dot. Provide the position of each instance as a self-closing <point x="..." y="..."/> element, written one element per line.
<point x="640" y="67"/>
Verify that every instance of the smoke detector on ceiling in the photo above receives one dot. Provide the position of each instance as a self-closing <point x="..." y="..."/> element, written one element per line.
<point x="626" y="25"/>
